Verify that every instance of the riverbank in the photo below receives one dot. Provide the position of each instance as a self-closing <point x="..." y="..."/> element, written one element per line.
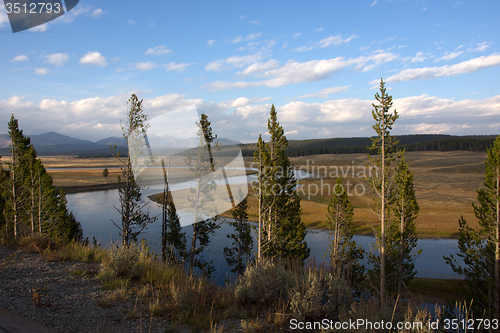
<point x="74" y="288"/>
<point x="89" y="188"/>
<point x="445" y="184"/>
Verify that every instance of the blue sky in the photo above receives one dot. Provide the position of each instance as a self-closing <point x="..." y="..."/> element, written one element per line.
<point x="319" y="62"/>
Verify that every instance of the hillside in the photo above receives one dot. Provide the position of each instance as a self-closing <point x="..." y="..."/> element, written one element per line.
<point x="53" y="143"/>
<point x="413" y="142"/>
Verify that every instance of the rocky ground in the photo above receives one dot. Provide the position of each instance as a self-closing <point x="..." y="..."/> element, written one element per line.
<point x="48" y="293"/>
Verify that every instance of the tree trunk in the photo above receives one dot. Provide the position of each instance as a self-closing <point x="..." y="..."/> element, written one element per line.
<point x="193" y="248"/>
<point x="39" y="203"/>
<point x="259" y="246"/>
<point x="193" y="241"/>
<point x="382" y="221"/>
<point x="32" y="197"/>
<point x="14" y="198"/>
<point x="400" y="269"/>
<point x="497" y="249"/>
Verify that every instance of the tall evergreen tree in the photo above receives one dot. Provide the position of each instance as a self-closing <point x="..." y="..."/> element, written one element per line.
<point x="480" y="249"/>
<point x="175" y="239"/>
<point x="261" y="159"/>
<point x="283" y="232"/>
<point x="239" y="254"/>
<point x="402" y="232"/>
<point x="33" y="204"/>
<point x="133" y="218"/>
<point x="345" y="255"/>
<point x="19" y="147"/>
<point x="202" y="196"/>
<point x="382" y="180"/>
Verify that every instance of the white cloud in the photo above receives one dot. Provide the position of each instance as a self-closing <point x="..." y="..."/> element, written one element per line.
<point x="319" y="29"/>
<point x="244" y="118"/>
<point x="93" y="58"/>
<point x="332" y="40"/>
<point x="158" y="50"/>
<point x="145" y="66"/>
<point x="335" y="40"/>
<point x="40" y="28"/>
<point x="211" y="42"/>
<point x="326" y="92"/>
<point x="373" y="3"/>
<point x="98" y="13"/>
<point x="298" y="72"/>
<point x="419" y="57"/>
<point x="256" y="22"/>
<point x="239" y="102"/>
<point x="71" y="15"/>
<point x="297" y="35"/>
<point x="3" y="15"/>
<point x="41" y="71"/>
<point x="178" y="67"/>
<point x="247" y="38"/>
<point x="131" y="22"/>
<point x="57" y="59"/>
<point x="449" y="56"/>
<point x="464" y="67"/>
<point x="20" y="58"/>
<point x="260" y="67"/>
<point x="481" y="47"/>
<point x="232" y="62"/>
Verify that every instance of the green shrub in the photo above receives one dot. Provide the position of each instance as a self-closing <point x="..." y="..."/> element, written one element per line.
<point x="319" y="294"/>
<point x="122" y="261"/>
<point x="264" y="283"/>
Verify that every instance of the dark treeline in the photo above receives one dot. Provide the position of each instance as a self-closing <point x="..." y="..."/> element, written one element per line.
<point x="414" y="142"/>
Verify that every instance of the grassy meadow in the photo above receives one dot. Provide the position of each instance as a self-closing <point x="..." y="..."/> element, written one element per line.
<point x="445" y="184"/>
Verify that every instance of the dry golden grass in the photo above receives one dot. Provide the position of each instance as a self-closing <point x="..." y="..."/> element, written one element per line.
<point x="445" y="183"/>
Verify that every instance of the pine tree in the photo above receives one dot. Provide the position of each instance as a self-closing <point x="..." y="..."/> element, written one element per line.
<point x="239" y="255"/>
<point x="382" y="180"/>
<point x="401" y="232"/>
<point x="16" y="191"/>
<point x="133" y="219"/>
<point x="283" y="231"/>
<point x="344" y="254"/>
<point x="33" y="204"/>
<point x="202" y="196"/>
<point x="175" y="239"/>
<point x="480" y="249"/>
<point x="261" y="159"/>
<point x="3" y="203"/>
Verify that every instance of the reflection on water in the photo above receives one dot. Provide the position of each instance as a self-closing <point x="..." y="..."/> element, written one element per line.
<point x="95" y="210"/>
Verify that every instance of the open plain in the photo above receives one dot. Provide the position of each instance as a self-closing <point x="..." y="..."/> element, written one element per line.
<point x="445" y="185"/>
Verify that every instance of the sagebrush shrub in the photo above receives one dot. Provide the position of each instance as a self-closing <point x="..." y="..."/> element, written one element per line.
<point x="264" y="283"/>
<point x="122" y="261"/>
<point x="319" y="294"/>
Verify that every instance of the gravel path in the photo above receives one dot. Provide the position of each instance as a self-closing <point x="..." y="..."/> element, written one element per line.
<point x="66" y="302"/>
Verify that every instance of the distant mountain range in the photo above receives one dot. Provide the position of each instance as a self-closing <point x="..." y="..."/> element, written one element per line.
<point x="53" y="143"/>
<point x="58" y="144"/>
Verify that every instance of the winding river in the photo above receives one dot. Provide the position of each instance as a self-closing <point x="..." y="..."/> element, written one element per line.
<point x="95" y="211"/>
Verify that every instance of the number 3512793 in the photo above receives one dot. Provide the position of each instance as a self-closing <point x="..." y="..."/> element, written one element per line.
<point x="32" y="8"/>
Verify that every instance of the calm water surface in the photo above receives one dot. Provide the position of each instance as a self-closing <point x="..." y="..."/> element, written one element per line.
<point x="95" y="211"/>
